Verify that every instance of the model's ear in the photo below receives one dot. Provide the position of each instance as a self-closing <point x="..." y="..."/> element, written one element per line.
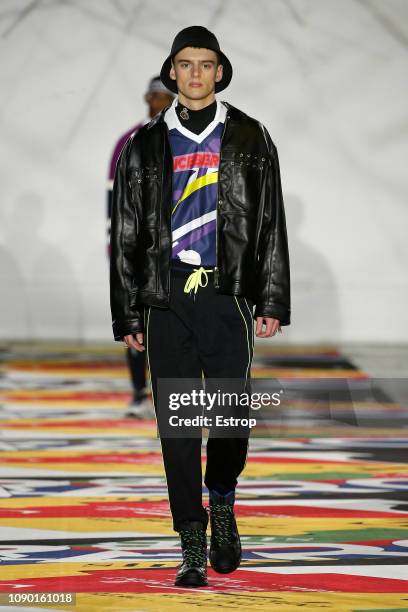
<point x="172" y="72"/>
<point x="219" y="73"/>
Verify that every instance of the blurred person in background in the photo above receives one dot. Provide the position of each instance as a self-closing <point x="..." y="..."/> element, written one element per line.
<point x="156" y="97"/>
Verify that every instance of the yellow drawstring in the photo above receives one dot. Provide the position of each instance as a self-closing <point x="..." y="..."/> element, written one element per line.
<point x="194" y="280"/>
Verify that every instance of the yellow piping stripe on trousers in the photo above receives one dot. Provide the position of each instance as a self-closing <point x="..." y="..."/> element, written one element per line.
<point x="251" y="314"/>
<point x="207" y="179"/>
<point x="249" y="351"/>
<point x="246" y="329"/>
<point x="148" y="363"/>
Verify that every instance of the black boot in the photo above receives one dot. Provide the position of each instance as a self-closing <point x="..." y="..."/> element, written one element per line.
<point x="193" y="570"/>
<point x="225" y="548"/>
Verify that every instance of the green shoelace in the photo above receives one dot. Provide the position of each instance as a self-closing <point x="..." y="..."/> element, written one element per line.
<point x="223" y="516"/>
<point x="194" y="546"/>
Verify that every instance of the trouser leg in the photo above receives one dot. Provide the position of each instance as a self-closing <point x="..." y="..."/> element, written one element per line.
<point x="226" y="339"/>
<point x="172" y="353"/>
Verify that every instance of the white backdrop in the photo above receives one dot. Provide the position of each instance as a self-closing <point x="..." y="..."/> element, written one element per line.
<point x="327" y="78"/>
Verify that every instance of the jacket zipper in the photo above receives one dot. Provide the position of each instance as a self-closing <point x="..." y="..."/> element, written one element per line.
<point x="216" y="269"/>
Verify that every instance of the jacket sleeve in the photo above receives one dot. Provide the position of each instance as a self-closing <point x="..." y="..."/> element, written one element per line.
<point x="273" y="274"/>
<point x="126" y="215"/>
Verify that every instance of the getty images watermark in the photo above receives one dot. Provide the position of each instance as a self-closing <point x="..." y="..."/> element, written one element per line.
<point x="212" y="401"/>
<point x="234" y="407"/>
<point x="227" y="407"/>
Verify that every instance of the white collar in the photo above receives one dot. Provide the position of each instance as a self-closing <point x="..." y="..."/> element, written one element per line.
<point x="172" y="120"/>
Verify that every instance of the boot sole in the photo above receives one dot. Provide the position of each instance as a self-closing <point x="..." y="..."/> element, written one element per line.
<point x="192" y="579"/>
<point x="220" y="570"/>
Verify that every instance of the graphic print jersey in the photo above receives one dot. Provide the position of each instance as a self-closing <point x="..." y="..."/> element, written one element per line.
<point x="195" y="186"/>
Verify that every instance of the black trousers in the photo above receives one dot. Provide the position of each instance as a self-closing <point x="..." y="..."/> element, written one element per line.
<point x="202" y="334"/>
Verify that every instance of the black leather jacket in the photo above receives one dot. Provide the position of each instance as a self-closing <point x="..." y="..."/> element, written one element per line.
<point x="252" y="258"/>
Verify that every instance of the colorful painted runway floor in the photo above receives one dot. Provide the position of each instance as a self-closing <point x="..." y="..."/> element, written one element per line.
<point x="322" y="505"/>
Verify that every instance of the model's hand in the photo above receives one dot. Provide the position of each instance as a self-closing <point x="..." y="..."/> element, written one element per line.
<point x="272" y="326"/>
<point x="134" y="341"/>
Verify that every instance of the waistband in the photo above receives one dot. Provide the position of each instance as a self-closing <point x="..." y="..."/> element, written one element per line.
<point x="196" y="276"/>
<point x="180" y="268"/>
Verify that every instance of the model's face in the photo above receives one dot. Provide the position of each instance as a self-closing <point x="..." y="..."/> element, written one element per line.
<point x="196" y="72"/>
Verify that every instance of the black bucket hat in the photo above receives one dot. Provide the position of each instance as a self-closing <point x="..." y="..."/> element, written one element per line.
<point x="196" y="36"/>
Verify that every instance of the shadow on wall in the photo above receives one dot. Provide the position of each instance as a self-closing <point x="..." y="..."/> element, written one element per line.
<point x="97" y="322"/>
<point x="40" y="291"/>
<point x="315" y="298"/>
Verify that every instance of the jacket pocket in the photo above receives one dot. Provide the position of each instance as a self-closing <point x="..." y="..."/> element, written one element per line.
<point x="247" y="172"/>
<point x="151" y="184"/>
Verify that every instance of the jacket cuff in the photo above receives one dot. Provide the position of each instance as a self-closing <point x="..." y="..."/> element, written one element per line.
<point x="272" y="309"/>
<point x="129" y="326"/>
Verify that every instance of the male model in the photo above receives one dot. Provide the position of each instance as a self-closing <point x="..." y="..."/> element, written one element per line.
<point x="156" y="97"/>
<point x="199" y="250"/>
